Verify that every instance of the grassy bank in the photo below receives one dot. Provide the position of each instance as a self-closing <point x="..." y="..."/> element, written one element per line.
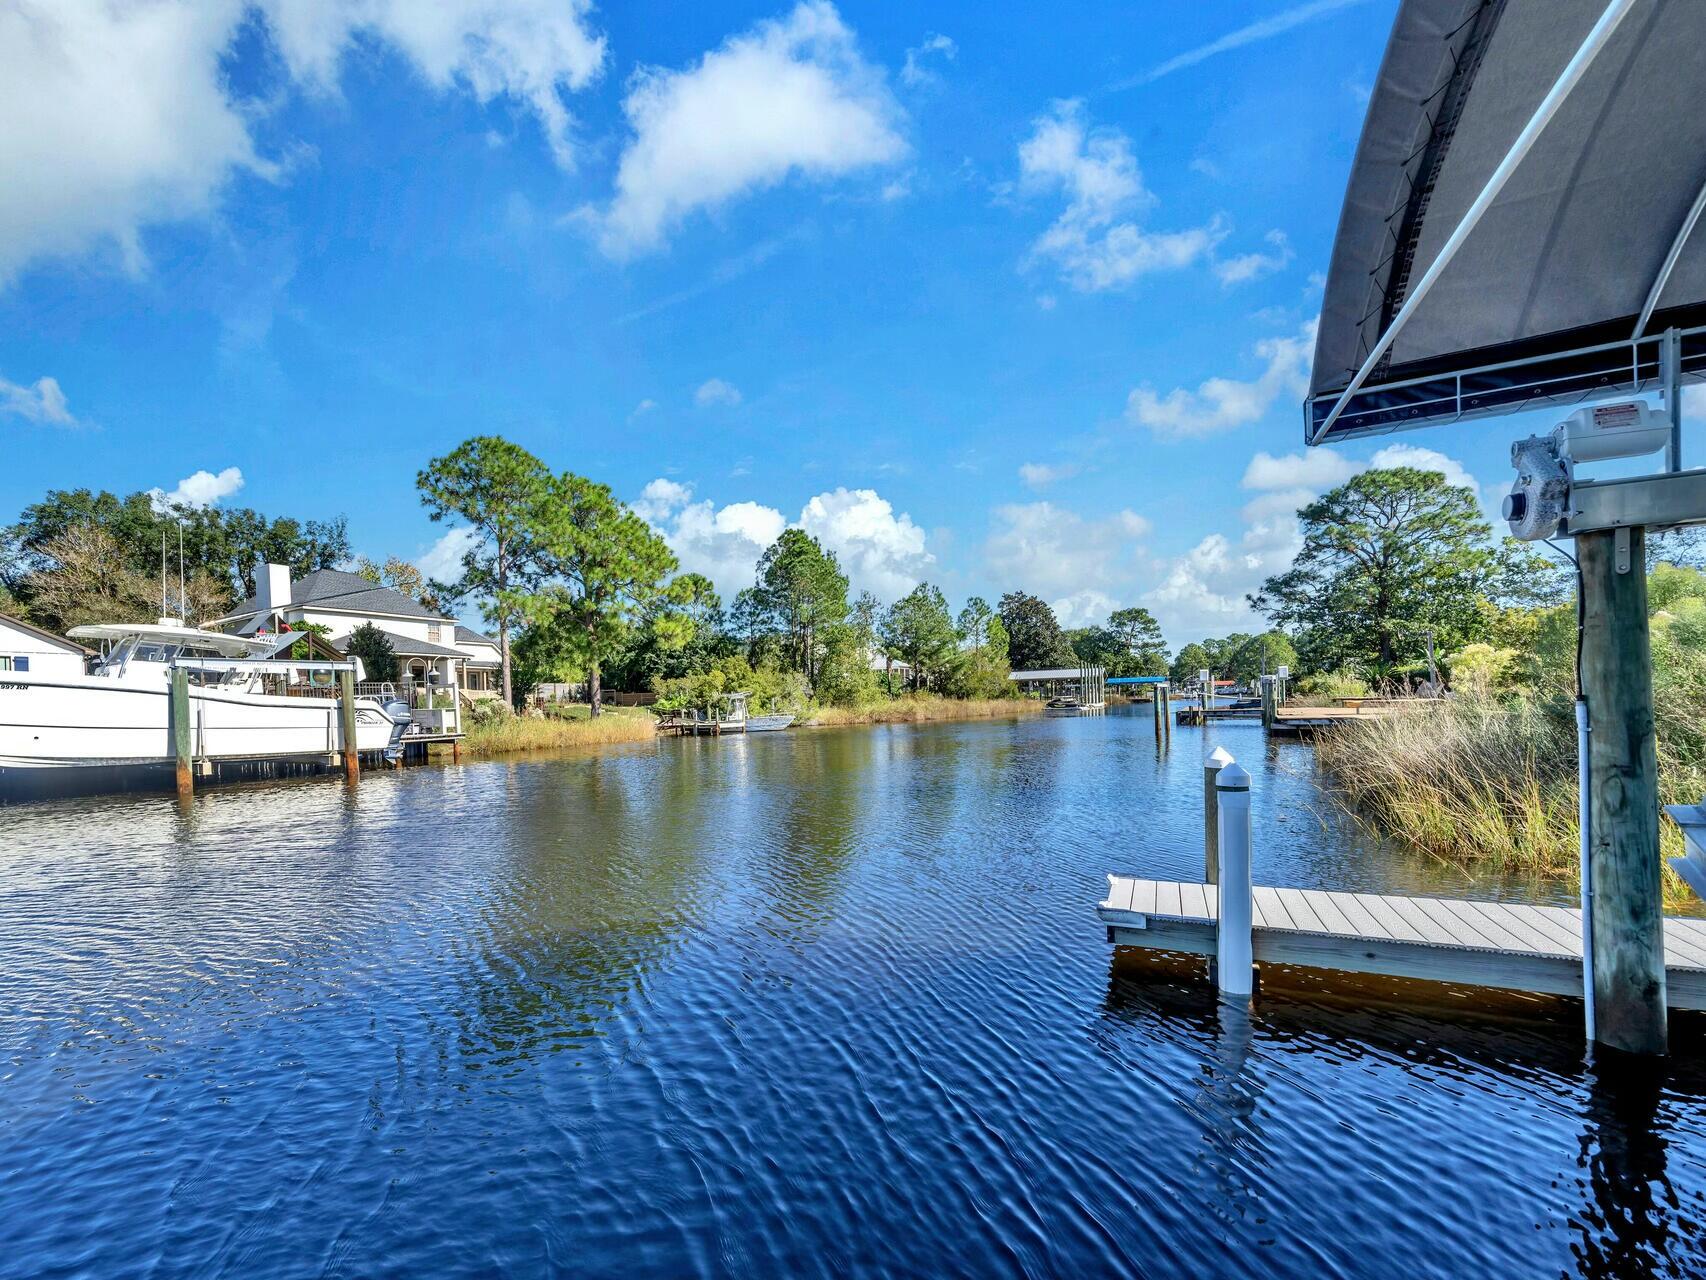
<point x="513" y="734"/>
<point x="1480" y="782"/>
<point x="918" y="710"/>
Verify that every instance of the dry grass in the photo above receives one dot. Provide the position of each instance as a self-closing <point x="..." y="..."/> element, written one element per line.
<point x="1478" y="783"/>
<point x="527" y="733"/>
<point x="922" y="709"/>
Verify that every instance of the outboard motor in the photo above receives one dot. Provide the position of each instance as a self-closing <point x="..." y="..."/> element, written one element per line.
<point x="398" y="710"/>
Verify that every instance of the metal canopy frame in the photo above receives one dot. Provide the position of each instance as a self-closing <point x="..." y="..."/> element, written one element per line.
<point x="1625" y="366"/>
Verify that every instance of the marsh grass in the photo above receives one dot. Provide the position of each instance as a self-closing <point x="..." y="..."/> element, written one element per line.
<point x="511" y="734"/>
<point x="924" y="708"/>
<point x="1479" y="782"/>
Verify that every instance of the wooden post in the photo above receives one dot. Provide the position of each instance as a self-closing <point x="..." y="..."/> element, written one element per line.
<point x="346" y="714"/>
<point x="1216" y="760"/>
<point x="1160" y="715"/>
<point x="1268" y="701"/>
<point x="1233" y="968"/>
<point x="1617" y="679"/>
<point x="1167" y="709"/>
<point x="182" y="744"/>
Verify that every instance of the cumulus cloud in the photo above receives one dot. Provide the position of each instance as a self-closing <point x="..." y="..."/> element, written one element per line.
<point x="1203" y="592"/>
<point x="1246" y="267"/>
<point x="532" y="51"/>
<point x="39" y="401"/>
<point x="442" y="561"/>
<point x="1096" y="242"/>
<point x="914" y="72"/>
<point x="1223" y="404"/>
<point x="879" y="551"/>
<point x="714" y="391"/>
<point x="1077" y="564"/>
<point x="118" y="117"/>
<point x="790" y="97"/>
<point x="198" y="490"/>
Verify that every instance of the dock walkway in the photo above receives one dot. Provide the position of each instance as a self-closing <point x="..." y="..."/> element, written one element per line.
<point x="1491" y="944"/>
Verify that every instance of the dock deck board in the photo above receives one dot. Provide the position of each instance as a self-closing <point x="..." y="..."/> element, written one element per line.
<point x="1519" y="946"/>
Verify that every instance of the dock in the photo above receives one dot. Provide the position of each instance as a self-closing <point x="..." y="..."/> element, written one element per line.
<point x="1514" y="946"/>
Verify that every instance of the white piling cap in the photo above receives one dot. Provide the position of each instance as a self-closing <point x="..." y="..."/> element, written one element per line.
<point x="1234" y="777"/>
<point x="1219" y="758"/>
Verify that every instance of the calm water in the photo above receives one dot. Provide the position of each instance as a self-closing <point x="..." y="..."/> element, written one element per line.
<point x="829" y="1002"/>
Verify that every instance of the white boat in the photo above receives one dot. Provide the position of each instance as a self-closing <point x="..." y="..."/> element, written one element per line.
<point x="768" y="724"/>
<point x="119" y="713"/>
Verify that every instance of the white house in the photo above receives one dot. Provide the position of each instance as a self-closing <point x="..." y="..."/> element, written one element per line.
<point x="27" y="648"/>
<point x="433" y="650"/>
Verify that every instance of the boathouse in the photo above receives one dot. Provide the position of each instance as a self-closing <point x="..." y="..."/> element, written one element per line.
<point x="28" y="648"/>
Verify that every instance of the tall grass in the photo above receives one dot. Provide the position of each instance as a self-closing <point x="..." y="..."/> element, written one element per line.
<point x="1476" y="781"/>
<point x="921" y="708"/>
<point x="509" y="734"/>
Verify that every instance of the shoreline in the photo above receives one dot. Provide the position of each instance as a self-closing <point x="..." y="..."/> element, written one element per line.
<point x="525" y="736"/>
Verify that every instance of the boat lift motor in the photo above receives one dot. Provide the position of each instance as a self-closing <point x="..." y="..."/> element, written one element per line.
<point x="1547" y="499"/>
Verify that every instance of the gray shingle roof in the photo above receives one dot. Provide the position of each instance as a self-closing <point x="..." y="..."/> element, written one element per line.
<point x="405" y="647"/>
<point x="335" y="589"/>
<point x="467" y="635"/>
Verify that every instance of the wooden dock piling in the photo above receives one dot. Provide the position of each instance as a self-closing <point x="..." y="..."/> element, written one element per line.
<point x="346" y="715"/>
<point x="1617" y="679"/>
<point x="183" y="744"/>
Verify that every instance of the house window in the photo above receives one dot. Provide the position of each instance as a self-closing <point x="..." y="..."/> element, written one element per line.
<point x="433" y="630"/>
<point x="20" y="664"/>
<point x="6" y="663"/>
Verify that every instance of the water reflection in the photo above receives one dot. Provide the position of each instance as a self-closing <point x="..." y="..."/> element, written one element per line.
<point x="803" y="1003"/>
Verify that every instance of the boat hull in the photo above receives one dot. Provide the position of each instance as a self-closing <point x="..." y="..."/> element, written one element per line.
<point x="96" y="723"/>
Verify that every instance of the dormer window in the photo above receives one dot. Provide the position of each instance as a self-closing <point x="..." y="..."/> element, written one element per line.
<point x="433" y="630"/>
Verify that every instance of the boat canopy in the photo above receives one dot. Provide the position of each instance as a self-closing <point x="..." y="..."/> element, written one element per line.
<point x="164" y="633"/>
<point x="1516" y="230"/>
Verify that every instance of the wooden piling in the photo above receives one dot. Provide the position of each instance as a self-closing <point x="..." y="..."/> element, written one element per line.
<point x="183" y="746"/>
<point x="1270" y="702"/>
<point x="346" y="714"/>
<point x="1160" y="729"/>
<point x="1617" y="679"/>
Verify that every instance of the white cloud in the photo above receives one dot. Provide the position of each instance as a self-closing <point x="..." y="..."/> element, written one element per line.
<point x="532" y="51"/>
<point x="661" y="499"/>
<point x="1203" y="592"/>
<point x="879" y="551"/>
<point x="723" y="544"/>
<point x="914" y="72"/>
<point x="714" y="391"/>
<point x="1222" y="404"/>
<point x="1095" y="243"/>
<point x="791" y="96"/>
<point x="1316" y="469"/>
<point x="117" y="117"/>
<point x="442" y="562"/>
<point x="644" y="407"/>
<point x="39" y="401"/>
<point x="1039" y="475"/>
<point x="1246" y="267"/>
<point x="198" y="490"/>
<point x="1076" y="564"/>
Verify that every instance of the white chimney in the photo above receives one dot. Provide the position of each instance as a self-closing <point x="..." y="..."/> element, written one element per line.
<point x="272" y="587"/>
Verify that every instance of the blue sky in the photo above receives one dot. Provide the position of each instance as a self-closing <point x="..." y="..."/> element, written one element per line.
<point x="996" y="295"/>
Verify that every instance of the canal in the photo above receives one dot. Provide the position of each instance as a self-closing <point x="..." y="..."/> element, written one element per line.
<point x="809" y="1003"/>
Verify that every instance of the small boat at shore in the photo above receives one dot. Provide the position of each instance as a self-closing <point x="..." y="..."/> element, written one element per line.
<point x="768" y="724"/>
